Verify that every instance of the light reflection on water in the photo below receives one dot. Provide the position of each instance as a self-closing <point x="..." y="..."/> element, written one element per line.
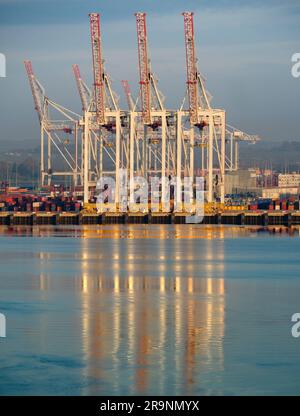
<point x="140" y="314"/>
<point x="135" y="231"/>
<point x="160" y="316"/>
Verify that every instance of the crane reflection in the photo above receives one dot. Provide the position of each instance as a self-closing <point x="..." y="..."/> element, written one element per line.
<point x="153" y="313"/>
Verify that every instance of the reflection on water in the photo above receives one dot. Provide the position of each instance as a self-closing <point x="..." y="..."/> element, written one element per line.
<point x="177" y="231"/>
<point x="159" y="311"/>
<point x="157" y="326"/>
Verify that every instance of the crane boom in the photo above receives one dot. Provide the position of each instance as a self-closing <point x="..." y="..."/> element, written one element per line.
<point x="36" y="89"/>
<point x="82" y="88"/>
<point x="145" y="81"/>
<point x="191" y="65"/>
<point x="128" y="95"/>
<point x="99" y="82"/>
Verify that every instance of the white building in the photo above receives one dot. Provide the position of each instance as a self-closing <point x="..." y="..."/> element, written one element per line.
<point x="276" y="192"/>
<point x="289" y="180"/>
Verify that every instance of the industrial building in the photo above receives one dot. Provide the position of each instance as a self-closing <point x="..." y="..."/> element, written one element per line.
<point x="289" y="180"/>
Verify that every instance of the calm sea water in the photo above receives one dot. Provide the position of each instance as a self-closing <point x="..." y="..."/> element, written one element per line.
<point x="160" y="310"/>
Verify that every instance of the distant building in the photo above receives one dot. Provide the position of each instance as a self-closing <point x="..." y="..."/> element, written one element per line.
<point x="241" y="181"/>
<point x="277" y="192"/>
<point x="289" y="180"/>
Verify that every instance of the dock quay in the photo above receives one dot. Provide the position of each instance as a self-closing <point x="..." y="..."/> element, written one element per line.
<point x="244" y="218"/>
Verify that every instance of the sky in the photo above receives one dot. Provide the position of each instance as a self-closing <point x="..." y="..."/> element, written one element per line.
<point x="244" y="50"/>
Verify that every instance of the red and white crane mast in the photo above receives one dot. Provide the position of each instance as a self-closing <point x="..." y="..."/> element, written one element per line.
<point x="145" y="76"/>
<point x="98" y="69"/>
<point x="191" y="65"/>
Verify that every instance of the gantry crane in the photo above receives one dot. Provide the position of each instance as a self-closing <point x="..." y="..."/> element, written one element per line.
<point x="235" y="136"/>
<point x="158" y="154"/>
<point x="102" y="123"/>
<point x="62" y="136"/>
<point x="210" y="122"/>
<point x="145" y="140"/>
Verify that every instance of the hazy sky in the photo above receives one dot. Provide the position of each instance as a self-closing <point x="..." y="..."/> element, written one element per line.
<point x="244" y="50"/>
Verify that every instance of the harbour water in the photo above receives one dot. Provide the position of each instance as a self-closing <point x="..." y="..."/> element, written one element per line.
<point x="149" y="310"/>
